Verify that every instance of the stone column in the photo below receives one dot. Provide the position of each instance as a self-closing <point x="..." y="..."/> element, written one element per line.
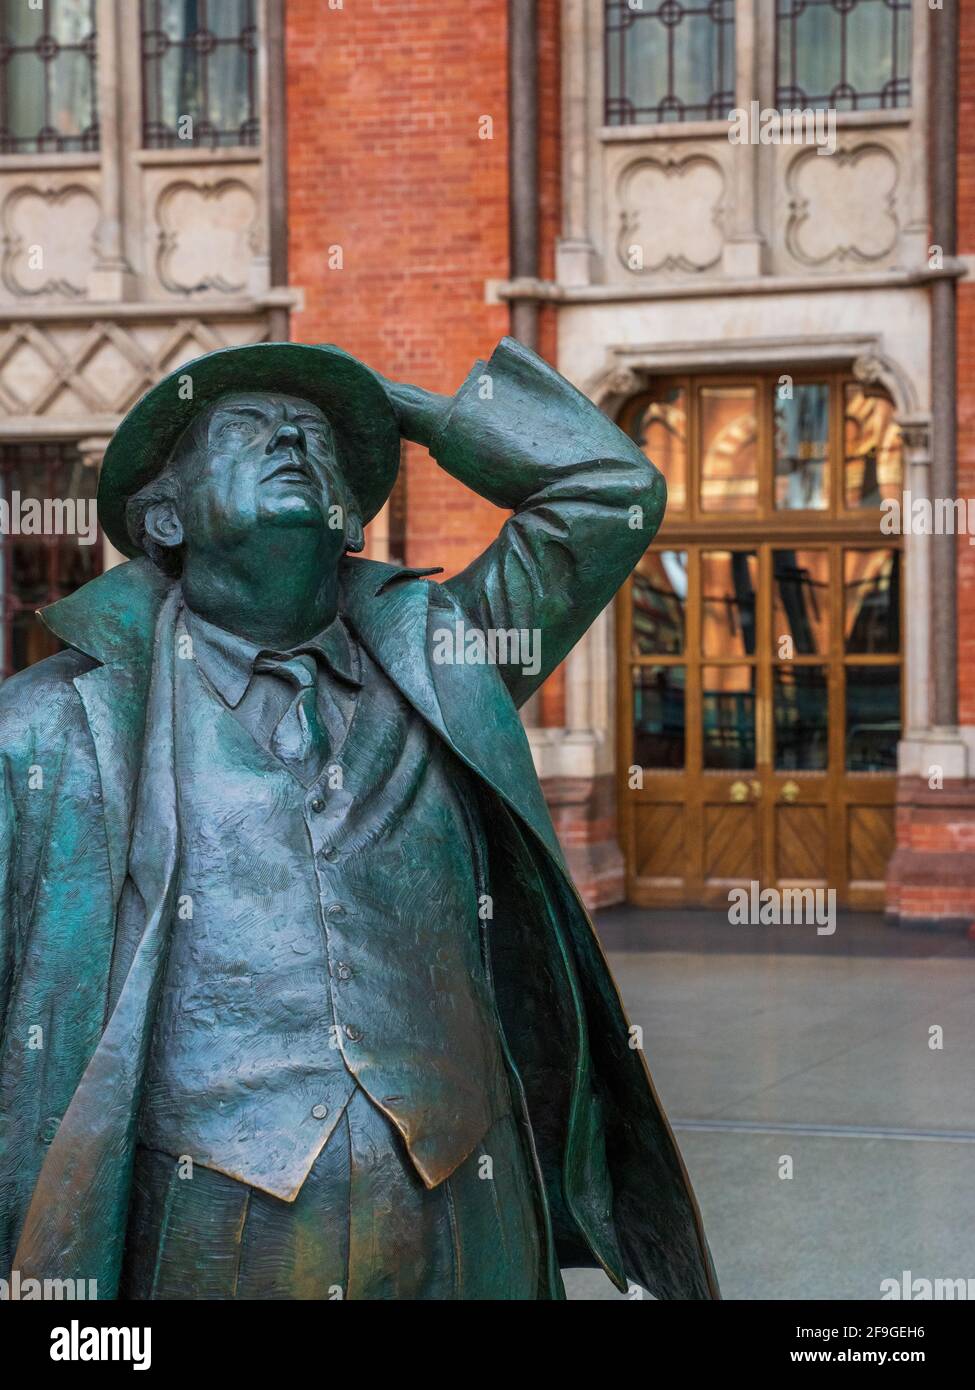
<point x="92" y="452"/>
<point x="576" y="765"/>
<point x="377" y="536"/>
<point x="574" y="253"/>
<point x="523" y="161"/>
<point x="916" y="442"/>
<point x="744" y="247"/>
<point x="112" y="277"/>
<point x="276" y="162"/>
<point x="931" y="874"/>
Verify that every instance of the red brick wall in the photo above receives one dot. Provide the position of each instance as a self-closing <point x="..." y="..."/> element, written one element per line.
<point x="384" y="160"/>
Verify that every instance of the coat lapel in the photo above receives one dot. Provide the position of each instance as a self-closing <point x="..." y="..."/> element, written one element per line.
<point x="469" y="706"/>
<point x="112" y="698"/>
<point x="112" y="620"/>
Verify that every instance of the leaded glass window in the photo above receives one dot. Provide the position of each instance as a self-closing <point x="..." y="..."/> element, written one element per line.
<point x="48" y="96"/>
<point x="851" y="55"/>
<point x="669" y="60"/>
<point x="199" y="73"/>
<point x="802" y="447"/>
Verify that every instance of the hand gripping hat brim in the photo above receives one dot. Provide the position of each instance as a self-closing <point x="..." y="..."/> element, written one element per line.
<point x="348" y="393"/>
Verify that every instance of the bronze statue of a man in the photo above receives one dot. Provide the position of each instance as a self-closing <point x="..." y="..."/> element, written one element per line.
<point x="297" y="998"/>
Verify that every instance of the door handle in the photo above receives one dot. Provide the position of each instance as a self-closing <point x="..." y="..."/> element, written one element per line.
<point x="790" y="791"/>
<point x="738" y="791"/>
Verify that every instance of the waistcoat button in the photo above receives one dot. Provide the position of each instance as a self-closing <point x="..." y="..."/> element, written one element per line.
<point x="331" y="854"/>
<point x="335" y="910"/>
<point x="343" y="971"/>
<point x="317" y="804"/>
<point x="319" y="1111"/>
<point x="49" y="1128"/>
<point x="353" y="1033"/>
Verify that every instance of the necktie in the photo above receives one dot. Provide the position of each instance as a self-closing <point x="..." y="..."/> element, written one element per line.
<point x="298" y="737"/>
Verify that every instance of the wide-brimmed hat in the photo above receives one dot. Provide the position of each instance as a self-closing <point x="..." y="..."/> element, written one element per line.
<point x="349" y="394"/>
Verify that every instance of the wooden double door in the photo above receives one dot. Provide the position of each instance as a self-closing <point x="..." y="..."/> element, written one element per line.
<point x="759" y="715"/>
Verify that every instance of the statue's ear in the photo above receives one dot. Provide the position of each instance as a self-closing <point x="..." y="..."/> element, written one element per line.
<point x="354" y="535"/>
<point x="162" y="524"/>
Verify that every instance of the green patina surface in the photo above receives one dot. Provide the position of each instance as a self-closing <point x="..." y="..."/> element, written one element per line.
<point x="279" y="454"/>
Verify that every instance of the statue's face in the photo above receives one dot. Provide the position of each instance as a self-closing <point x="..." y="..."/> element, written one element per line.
<point x="256" y="461"/>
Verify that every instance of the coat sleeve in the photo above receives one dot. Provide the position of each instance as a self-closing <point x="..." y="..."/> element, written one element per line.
<point x="585" y="501"/>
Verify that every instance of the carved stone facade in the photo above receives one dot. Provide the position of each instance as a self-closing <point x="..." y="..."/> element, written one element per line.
<point x="693" y="188"/>
<point x="844" y="210"/>
<point x="684" y="251"/>
<point x="680" y="201"/>
<point x="118" y="265"/>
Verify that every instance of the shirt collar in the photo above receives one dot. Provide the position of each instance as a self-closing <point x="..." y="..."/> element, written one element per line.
<point x="227" y="660"/>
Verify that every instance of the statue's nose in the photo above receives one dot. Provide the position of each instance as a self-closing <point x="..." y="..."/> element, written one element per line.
<point x="287" y="436"/>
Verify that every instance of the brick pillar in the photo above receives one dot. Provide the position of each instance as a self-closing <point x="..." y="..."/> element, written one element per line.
<point x="584" y="812"/>
<point x="931" y="876"/>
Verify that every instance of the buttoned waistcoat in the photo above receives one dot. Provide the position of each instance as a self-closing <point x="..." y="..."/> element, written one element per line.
<point x="324" y="935"/>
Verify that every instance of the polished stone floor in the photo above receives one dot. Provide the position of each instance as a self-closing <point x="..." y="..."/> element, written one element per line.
<point x="773" y="1042"/>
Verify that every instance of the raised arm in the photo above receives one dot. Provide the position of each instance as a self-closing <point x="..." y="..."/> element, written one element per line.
<point x="585" y="501"/>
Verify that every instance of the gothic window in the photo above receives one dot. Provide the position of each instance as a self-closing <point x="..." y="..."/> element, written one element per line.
<point x="823" y="443"/>
<point x="672" y="60"/>
<point x="199" y="73"/>
<point x="48" y="97"/>
<point x="851" y="55"/>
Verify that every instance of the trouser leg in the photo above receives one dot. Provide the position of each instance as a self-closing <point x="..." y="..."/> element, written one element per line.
<point x="210" y="1237"/>
<point x="475" y="1236"/>
<point x="364" y="1225"/>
